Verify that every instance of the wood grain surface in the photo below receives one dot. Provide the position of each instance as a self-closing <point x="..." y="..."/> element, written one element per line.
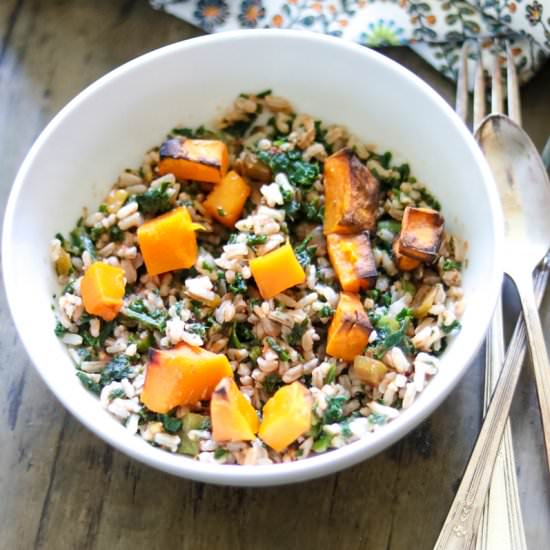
<point x="62" y="488"/>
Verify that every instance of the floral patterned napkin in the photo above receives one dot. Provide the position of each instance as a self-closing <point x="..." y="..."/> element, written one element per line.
<point x="436" y="29"/>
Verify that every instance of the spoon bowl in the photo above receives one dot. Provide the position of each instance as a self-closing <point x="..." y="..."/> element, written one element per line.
<point x="523" y="187"/>
<point x="524" y="191"/>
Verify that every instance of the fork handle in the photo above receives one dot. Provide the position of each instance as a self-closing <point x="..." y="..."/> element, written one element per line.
<point x="539" y="355"/>
<point x="462" y="522"/>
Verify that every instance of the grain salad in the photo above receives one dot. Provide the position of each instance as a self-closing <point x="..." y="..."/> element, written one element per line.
<point x="260" y="292"/>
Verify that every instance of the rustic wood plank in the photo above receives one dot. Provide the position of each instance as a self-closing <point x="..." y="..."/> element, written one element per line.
<point x="64" y="488"/>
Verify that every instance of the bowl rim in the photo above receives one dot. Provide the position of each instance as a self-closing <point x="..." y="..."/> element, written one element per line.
<point x="262" y="475"/>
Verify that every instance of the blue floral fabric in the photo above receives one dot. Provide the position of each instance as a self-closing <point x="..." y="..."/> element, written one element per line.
<point x="436" y="29"/>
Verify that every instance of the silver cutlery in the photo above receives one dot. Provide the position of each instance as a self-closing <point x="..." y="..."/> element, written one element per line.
<point x="462" y="522"/>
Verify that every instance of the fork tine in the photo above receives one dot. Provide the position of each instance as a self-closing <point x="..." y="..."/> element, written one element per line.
<point x="461" y="106"/>
<point x="479" y="92"/>
<point x="497" y="101"/>
<point x="514" y="107"/>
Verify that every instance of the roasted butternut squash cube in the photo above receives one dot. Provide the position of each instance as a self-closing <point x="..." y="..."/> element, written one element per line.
<point x="349" y="331"/>
<point x="402" y="262"/>
<point x="286" y="416"/>
<point x="226" y="201"/>
<point x="276" y="271"/>
<point x="194" y="159"/>
<point x="421" y="233"/>
<point x="233" y="417"/>
<point x="102" y="290"/>
<point x="353" y="260"/>
<point x="183" y="375"/>
<point x="168" y="242"/>
<point x="351" y="194"/>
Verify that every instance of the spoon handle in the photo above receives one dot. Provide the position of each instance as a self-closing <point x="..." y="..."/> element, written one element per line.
<point x="539" y="354"/>
<point x="462" y="522"/>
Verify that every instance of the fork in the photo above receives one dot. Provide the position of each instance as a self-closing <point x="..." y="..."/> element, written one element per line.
<point x="471" y="505"/>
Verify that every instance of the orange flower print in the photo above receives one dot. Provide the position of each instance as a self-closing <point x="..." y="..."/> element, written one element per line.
<point x="277" y="20"/>
<point x="512" y="8"/>
<point x="431" y="19"/>
<point x="251" y="13"/>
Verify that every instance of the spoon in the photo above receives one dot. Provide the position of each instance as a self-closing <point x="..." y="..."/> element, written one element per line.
<point x="522" y="181"/>
<point x="525" y="196"/>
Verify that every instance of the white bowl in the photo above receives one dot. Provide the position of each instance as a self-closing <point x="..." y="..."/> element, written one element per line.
<point x="107" y="128"/>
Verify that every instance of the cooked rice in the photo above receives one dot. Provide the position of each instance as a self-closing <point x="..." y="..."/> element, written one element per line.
<point x="204" y="306"/>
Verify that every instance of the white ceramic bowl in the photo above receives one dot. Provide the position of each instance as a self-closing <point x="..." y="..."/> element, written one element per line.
<point x="107" y="128"/>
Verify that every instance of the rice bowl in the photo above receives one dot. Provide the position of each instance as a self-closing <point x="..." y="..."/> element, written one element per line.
<point x="480" y="279"/>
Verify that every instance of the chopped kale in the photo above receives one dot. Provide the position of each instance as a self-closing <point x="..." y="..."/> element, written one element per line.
<point x="239" y="128"/>
<point x="117" y="369"/>
<point x="297" y="332"/>
<point x="136" y="312"/>
<point x="220" y="453"/>
<point x="278" y="349"/>
<point x="377" y="419"/>
<point x="305" y="253"/>
<point x="390" y="335"/>
<point x="264" y="94"/>
<point x="373" y="294"/>
<point x="299" y="172"/>
<point x="386" y="299"/>
<point x="320" y="136"/>
<point x="404" y="171"/>
<point x="199" y="133"/>
<point x="449" y="265"/>
<point x="197" y="328"/>
<point x="334" y="411"/>
<point x="103" y="208"/>
<point x="313" y="211"/>
<point x="253" y="239"/>
<point x="221" y="212"/>
<point x="59" y="330"/>
<point x="81" y="241"/>
<point x="116" y="234"/>
<point x="88" y="383"/>
<point x="345" y="429"/>
<point x="405" y="313"/>
<point x="271" y="383"/>
<point x="242" y="335"/>
<point x="170" y="424"/>
<point x="331" y="374"/>
<point x="447" y="329"/>
<point x="155" y="201"/>
<point x="119" y="393"/>
<point x="325" y="311"/>
<point x="238" y="286"/>
<point x="430" y="200"/>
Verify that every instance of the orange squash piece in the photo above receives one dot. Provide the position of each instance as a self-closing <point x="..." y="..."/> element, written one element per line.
<point x="233" y="417"/>
<point x="168" y="242"/>
<point x="421" y="233"/>
<point x="351" y="194"/>
<point x="102" y="290"/>
<point x="183" y="375"/>
<point x="353" y="260"/>
<point x="286" y="416"/>
<point x="226" y="201"/>
<point x="277" y="271"/>
<point x="349" y="331"/>
<point x="194" y="159"/>
<point x="402" y="262"/>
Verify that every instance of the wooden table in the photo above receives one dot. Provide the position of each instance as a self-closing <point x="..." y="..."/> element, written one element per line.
<point x="62" y="488"/>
